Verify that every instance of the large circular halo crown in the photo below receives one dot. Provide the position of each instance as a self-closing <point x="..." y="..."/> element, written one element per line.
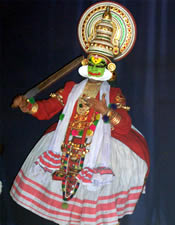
<point x="114" y="39"/>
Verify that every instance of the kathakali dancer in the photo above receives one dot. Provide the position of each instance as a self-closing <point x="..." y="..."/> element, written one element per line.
<point x="90" y="168"/>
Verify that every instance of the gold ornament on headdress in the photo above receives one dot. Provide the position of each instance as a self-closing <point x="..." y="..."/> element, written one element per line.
<point x="111" y="67"/>
<point x="84" y="62"/>
<point x="107" y="14"/>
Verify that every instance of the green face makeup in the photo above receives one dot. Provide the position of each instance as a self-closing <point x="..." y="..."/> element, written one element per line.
<point x="96" y="66"/>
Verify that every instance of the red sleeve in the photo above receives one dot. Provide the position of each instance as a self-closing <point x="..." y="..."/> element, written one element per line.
<point x="125" y="123"/>
<point x="50" y="107"/>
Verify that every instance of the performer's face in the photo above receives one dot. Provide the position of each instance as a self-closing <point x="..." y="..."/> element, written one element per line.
<point x="96" y="66"/>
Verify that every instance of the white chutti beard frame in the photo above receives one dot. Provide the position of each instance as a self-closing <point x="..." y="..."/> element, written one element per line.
<point x="83" y="71"/>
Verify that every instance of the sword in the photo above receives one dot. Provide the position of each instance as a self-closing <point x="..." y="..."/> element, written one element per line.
<point x="54" y="77"/>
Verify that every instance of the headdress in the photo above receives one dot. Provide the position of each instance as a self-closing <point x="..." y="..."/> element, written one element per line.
<point x="107" y="29"/>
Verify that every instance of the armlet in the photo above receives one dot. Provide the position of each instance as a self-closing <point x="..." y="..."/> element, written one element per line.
<point x="58" y="95"/>
<point x="120" y="101"/>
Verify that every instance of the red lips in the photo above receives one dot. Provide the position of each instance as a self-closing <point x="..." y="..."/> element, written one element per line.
<point x="94" y="74"/>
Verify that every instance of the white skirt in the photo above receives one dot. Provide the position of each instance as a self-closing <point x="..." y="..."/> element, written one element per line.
<point x="108" y="204"/>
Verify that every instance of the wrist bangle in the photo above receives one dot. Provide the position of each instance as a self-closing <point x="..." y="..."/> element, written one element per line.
<point x="34" y="108"/>
<point x="112" y="117"/>
<point x="115" y="118"/>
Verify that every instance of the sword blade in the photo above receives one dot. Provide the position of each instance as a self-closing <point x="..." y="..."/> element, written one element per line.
<point x="54" y="77"/>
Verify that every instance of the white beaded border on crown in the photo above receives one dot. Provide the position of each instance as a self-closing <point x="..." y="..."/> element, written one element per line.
<point x="122" y="18"/>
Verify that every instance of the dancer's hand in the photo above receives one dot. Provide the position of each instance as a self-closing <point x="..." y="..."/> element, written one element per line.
<point x="21" y="102"/>
<point x="98" y="105"/>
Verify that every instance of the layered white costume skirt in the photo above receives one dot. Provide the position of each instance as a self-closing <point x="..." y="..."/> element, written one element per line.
<point x="43" y="196"/>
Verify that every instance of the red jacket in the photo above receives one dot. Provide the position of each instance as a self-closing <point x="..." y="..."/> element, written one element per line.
<point x="123" y="131"/>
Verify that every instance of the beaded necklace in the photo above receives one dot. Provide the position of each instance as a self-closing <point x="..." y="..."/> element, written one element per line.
<point x="76" y="145"/>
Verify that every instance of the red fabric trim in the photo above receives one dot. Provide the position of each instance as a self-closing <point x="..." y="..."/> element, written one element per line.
<point x="52" y="194"/>
<point x="86" y="210"/>
<point x="47" y="197"/>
